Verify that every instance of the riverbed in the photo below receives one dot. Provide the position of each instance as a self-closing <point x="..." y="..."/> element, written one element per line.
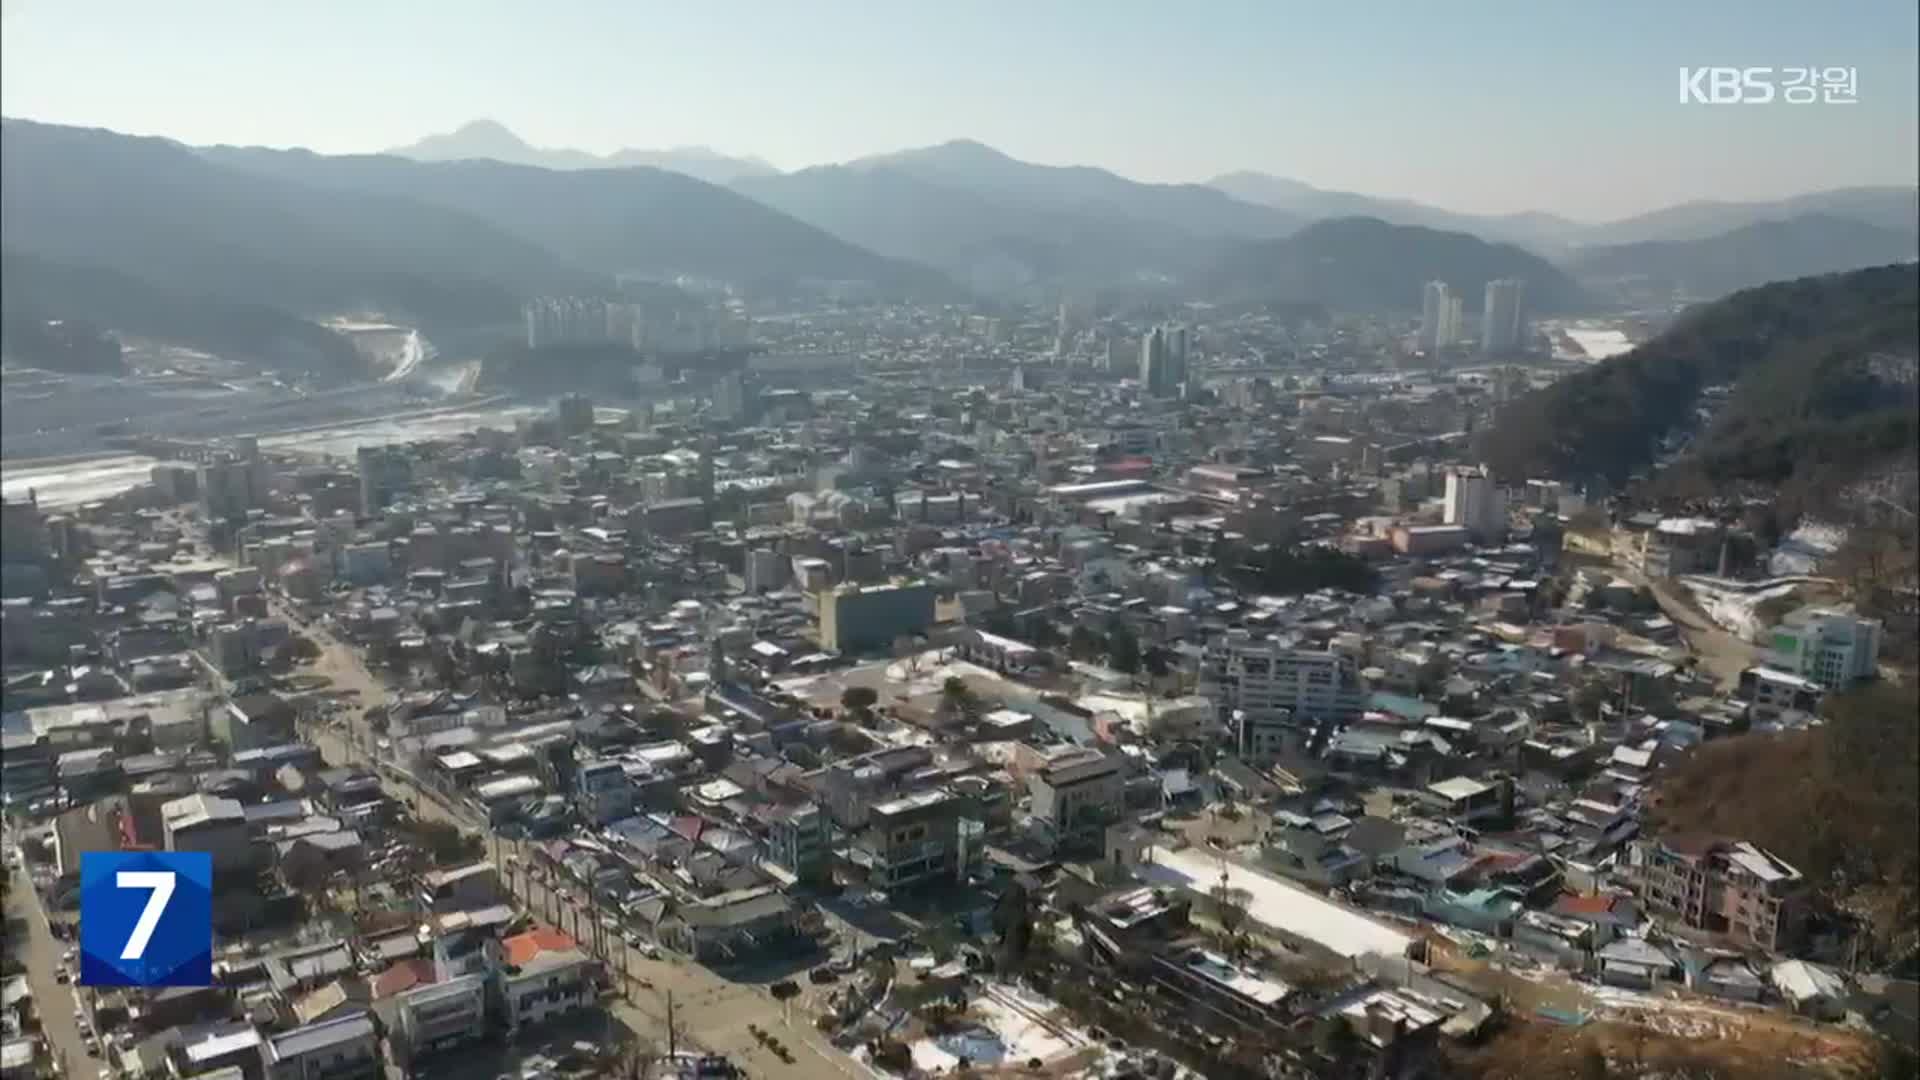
<point x="72" y="482"/>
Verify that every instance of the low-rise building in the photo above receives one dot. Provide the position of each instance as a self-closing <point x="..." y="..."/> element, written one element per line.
<point x="542" y="974"/>
<point x="1721" y="886"/>
<point x="1078" y="794"/>
<point x="441" y="1016"/>
<point x="347" y="1048"/>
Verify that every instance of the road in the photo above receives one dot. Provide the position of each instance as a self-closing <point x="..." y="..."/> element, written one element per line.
<point x="54" y="1002"/>
<point x="710" y="1012"/>
<point x="412" y="353"/>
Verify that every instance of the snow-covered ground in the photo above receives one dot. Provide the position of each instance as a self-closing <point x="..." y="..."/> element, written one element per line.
<point x="1732" y="605"/>
<point x="1803" y="550"/>
<point x="1599" y="343"/>
<point x="1010" y="1031"/>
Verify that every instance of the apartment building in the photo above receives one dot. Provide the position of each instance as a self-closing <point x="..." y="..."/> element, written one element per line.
<point x="1721" y="886"/>
<point x="1267" y="677"/>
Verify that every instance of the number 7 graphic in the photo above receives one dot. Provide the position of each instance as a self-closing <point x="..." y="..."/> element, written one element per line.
<point x="161" y="882"/>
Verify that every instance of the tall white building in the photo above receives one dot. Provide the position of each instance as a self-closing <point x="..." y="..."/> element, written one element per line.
<point x="1473" y="501"/>
<point x="1433" y="313"/>
<point x="1258" y="683"/>
<point x="1163" y="360"/>
<point x="1831" y="646"/>
<point x="1452" y="323"/>
<point x="1502" y="319"/>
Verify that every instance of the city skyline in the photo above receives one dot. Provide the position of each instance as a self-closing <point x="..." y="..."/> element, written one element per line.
<point x="1528" y="108"/>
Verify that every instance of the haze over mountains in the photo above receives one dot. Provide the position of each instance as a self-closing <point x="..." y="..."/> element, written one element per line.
<point x="1747" y="256"/>
<point x="992" y="221"/>
<point x="492" y="141"/>
<point x="1356" y="263"/>
<point x="464" y="242"/>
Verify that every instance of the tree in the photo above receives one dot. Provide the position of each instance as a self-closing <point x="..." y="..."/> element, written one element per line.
<point x="1083" y="644"/>
<point x="859" y="700"/>
<point x="1229" y="905"/>
<point x="1013" y="919"/>
<point x="1155" y="662"/>
<point x="1123" y="648"/>
<point x="958" y="698"/>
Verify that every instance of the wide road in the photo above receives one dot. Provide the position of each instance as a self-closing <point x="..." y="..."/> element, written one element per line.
<point x="55" y="1003"/>
<point x="711" y="1013"/>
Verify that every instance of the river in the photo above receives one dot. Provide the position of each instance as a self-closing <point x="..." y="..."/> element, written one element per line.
<point x="71" y="483"/>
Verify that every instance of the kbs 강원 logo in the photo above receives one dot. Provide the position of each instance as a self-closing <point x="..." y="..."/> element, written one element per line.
<point x="1765" y="85"/>
<point x="146" y="918"/>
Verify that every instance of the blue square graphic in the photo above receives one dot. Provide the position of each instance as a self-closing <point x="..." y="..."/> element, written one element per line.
<point x="146" y="918"/>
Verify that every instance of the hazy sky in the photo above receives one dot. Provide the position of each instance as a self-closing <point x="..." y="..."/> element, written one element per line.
<point x="1488" y="105"/>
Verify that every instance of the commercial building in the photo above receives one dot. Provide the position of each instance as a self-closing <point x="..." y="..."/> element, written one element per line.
<point x="1078" y="794"/>
<point x="853" y="618"/>
<point x="1721" y="886"/>
<point x="1269" y="678"/>
<point x="914" y="839"/>
<point x="1831" y="646"/>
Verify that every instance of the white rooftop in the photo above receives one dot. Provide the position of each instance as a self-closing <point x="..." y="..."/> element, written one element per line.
<point x="1277" y="904"/>
<point x="1460" y="787"/>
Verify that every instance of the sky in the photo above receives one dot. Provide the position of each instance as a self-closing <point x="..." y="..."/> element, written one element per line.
<point x="1487" y="106"/>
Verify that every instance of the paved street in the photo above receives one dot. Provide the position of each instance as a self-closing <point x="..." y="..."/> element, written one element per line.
<point x="54" y="1001"/>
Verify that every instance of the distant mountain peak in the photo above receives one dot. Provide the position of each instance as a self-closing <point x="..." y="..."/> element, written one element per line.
<point x="490" y="139"/>
<point x="487" y="125"/>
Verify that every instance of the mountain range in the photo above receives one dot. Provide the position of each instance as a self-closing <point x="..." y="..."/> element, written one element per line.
<point x="1822" y="392"/>
<point x="461" y="243"/>
<point x="1893" y="208"/>
<point x="492" y="141"/>
<point x="994" y="222"/>
<point x="1539" y="232"/>
<point x="636" y="221"/>
<point x="1743" y="257"/>
<point x="1362" y="263"/>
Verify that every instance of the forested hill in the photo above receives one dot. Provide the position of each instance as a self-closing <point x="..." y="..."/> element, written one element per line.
<point x="1821" y="376"/>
